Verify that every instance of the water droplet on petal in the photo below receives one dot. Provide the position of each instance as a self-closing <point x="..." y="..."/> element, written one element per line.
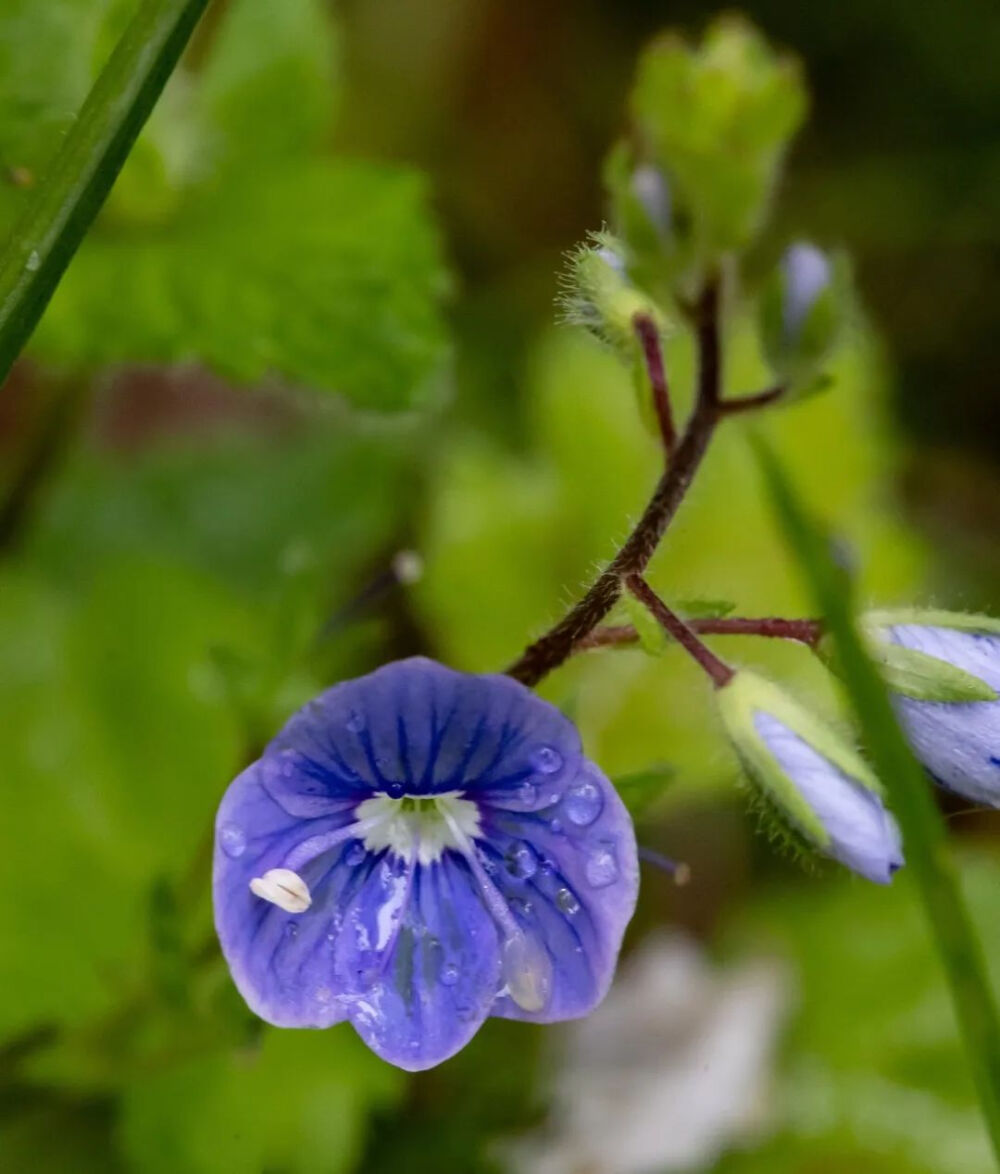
<point x="528" y="794"/>
<point x="546" y="868"/>
<point x="521" y="860"/>
<point x="355" y="853"/>
<point x="356" y="722"/>
<point x="521" y="906"/>
<point x="601" y="868"/>
<point x="292" y="930"/>
<point x="395" y="790"/>
<point x="34" y="261"/>
<point x="583" y="804"/>
<point x="232" y="840"/>
<point x="449" y="973"/>
<point x="546" y="760"/>
<point x="556" y="827"/>
<point x="527" y="970"/>
<point x="567" y="903"/>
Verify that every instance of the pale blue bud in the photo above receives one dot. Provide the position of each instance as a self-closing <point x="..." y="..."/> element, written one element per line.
<point x="958" y="741"/>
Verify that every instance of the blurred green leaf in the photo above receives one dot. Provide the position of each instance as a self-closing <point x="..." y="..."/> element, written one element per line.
<point x="874" y="1077"/>
<point x="642" y="788"/>
<point x="47" y="58"/>
<point x="298" y="1104"/>
<point x="75" y="184"/>
<point x="230" y="240"/>
<point x="326" y="274"/>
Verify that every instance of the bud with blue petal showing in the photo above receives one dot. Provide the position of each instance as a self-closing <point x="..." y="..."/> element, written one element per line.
<point x="599" y="294"/>
<point x="812" y="781"/>
<point x="802" y="315"/>
<point x="944" y="672"/>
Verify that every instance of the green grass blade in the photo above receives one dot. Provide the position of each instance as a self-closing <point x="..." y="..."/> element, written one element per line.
<point x="72" y="191"/>
<point x="924" y="839"/>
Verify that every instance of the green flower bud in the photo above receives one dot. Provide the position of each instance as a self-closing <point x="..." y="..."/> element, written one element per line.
<point x="802" y="314"/>
<point x="598" y="294"/>
<point x="715" y="120"/>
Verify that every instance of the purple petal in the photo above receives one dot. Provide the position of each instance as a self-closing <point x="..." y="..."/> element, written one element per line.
<point x="572" y="887"/>
<point x="959" y="743"/>
<point x="420" y="973"/>
<point x="416" y="727"/>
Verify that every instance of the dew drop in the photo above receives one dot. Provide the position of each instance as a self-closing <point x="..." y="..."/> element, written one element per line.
<point x="546" y="868"/>
<point x="34" y="261"/>
<point x="546" y="760"/>
<point x="567" y="903"/>
<point x="355" y="853"/>
<point x="528" y="793"/>
<point x="232" y="840"/>
<point x="292" y="929"/>
<point x="556" y="827"/>
<point x="521" y="860"/>
<point x="449" y="973"/>
<point x="601" y="868"/>
<point x="395" y="790"/>
<point x="356" y="722"/>
<point x="527" y="970"/>
<point x="583" y="804"/>
<point x="521" y="906"/>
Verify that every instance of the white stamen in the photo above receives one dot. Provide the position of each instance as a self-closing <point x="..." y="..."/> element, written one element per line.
<point x="283" y="888"/>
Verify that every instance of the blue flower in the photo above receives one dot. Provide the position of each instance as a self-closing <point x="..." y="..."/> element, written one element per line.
<point x="946" y="691"/>
<point x="816" y="785"/>
<point x="419" y="849"/>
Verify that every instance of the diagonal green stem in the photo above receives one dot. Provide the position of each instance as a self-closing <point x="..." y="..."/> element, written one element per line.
<point x="77" y="183"/>
<point x="924" y="838"/>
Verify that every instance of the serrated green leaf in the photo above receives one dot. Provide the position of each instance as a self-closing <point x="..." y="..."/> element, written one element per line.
<point x="327" y="275"/>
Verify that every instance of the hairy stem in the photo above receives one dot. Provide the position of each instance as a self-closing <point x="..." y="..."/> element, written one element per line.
<point x="652" y="354"/>
<point x="552" y="649"/>
<point x="679" y="631"/>
<point x="806" y="632"/>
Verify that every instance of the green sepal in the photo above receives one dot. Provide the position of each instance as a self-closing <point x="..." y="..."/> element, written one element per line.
<point x="746" y="695"/>
<point x="919" y="675"/>
<point x="704" y="609"/>
<point x="640" y="789"/>
<point x="652" y="638"/>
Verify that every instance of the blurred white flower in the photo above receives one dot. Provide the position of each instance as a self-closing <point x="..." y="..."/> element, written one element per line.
<point x="669" y="1072"/>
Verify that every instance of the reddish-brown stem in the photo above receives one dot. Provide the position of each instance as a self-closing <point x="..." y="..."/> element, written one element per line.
<point x="720" y="673"/>
<point x="552" y="649"/>
<point x="748" y="403"/>
<point x="652" y="355"/>
<point x="806" y="632"/>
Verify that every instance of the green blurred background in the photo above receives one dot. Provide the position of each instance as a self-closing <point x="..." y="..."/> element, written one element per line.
<point x="313" y="328"/>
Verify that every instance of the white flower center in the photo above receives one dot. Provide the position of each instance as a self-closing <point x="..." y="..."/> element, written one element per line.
<point x="418" y="827"/>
